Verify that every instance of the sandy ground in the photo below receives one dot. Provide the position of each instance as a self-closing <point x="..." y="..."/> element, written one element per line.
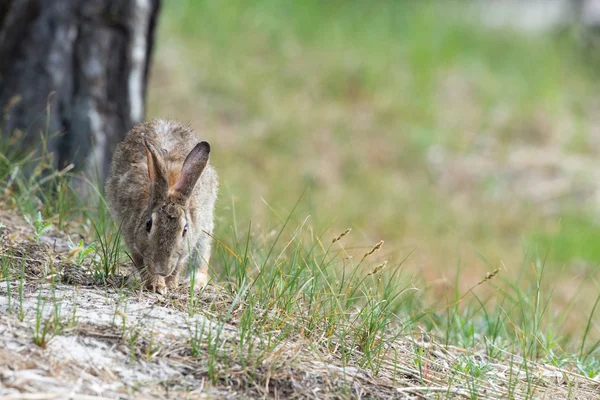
<point x="107" y="340"/>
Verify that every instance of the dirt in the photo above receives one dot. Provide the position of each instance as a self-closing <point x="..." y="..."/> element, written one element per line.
<point x="544" y="176"/>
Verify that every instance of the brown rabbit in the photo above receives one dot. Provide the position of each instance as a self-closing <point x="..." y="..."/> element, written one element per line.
<point x="161" y="190"/>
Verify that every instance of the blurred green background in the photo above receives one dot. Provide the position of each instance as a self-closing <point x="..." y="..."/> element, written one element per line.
<point x="415" y="122"/>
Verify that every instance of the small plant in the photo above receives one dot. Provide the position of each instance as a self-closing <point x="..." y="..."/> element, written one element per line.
<point x="475" y="370"/>
<point x="194" y="295"/>
<point x="121" y="300"/>
<point x="80" y="251"/>
<point x="109" y="252"/>
<point x="420" y="363"/>
<point x="152" y="348"/>
<point x="21" y="293"/>
<point x="6" y="275"/>
<point x="131" y="337"/>
<point x="43" y="333"/>
<point x="39" y="226"/>
<point x="74" y="320"/>
<point x="196" y="339"/>
<point x="589" y="367"/>
<point x="45" y="329"/>
<point x="470" y="366"/>
<point x="556" y="360"/>
<point x="206" y="343"/>
<point x="213" y="350"/>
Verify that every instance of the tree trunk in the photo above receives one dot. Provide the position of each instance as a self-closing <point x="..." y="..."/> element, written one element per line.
<point x="590" y="14"/>
<point x="77" y="71"/>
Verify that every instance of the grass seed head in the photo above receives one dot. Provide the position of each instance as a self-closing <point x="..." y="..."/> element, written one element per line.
<point x="374" y="249"/>
<point x="489" y="276"/>
<point x="378" y="268"/>
<point x="341" y="235"/>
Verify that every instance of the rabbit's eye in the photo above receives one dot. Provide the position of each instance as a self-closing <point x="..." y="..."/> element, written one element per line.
<point x="149" y="224"/>
<point x="185" y="228"/>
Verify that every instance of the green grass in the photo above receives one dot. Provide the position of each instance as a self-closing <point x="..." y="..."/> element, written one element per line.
<point x="347" y="100"/>
<point x="297" y="284"/>
<point x="355" y="96"/>
<point x="575" y="237"/>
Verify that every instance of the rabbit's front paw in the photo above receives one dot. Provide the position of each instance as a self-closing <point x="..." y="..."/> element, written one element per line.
<point x="156" y="284"/>
<point x="172" y="281"/>
<point x="200" y="280"/>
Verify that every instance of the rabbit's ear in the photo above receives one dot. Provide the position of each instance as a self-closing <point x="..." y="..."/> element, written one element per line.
<point x="156" y="171"/>
<point x="192" y="169"/>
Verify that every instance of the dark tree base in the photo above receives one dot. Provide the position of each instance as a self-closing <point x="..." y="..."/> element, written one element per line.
<point x="77" y="71"/>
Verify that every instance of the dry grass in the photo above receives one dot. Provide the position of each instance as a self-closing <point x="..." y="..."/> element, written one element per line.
<point x="112" y="341"/>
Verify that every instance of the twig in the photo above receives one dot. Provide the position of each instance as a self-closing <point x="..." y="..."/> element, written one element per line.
<point x="460" y="392"/>
<point x="52" y="176"/>
<point x="50" y="396"/>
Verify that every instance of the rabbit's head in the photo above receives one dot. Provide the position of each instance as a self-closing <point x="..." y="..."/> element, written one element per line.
<point x="163" y="236"/>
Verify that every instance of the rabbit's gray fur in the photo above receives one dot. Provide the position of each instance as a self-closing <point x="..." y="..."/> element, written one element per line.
<point x="158" y="148"/>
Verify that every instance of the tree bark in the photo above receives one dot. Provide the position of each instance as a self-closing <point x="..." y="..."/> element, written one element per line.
<point x="76" y="71"/>
<point x="590" y="14"/>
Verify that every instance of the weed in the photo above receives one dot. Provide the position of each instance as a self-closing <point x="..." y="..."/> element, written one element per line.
<point x="473" y="368"/>
<point x="131" y="337"/>
<point x="121" y="300"/>
<point x="213" y="350"/>
<point x="589" y="368"/>
<point x="81" y="251"/>
<point x="46" y="328"/>
<point x="39" y="226"/>
<point x="193" y="263"/>
<point x="108" y="251"/>
<point x="74" y="319"/>
<point x="196" y="337"/>
<point x="21" y="292"/>
<point x="421" y="364"/>
<point x="152" y="348"/>
<point x="6" y="276"/>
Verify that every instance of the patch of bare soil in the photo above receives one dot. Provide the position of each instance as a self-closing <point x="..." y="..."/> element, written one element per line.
<point x="66" y="335"/>
<point x="545" y="176"/>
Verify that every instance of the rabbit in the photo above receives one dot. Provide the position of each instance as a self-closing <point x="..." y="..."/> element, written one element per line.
<point x="161" y="191"/>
